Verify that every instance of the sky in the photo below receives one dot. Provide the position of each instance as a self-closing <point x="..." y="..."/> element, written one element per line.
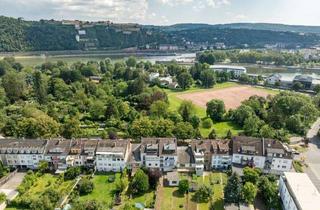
<point x="168" y="12"/>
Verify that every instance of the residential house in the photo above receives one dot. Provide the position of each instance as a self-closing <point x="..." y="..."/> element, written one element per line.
<point x="25" y="154"/>
<point x="159" y="153"/>
<point x="202" y="152"/>
<point x="82" y="153"/>
<point x="112" y="155"/>
<point x="186" y="161"/>
<point x="274" y="79"/>
<point x="221" y="155"/>
<point x="305" y="80"/>
<point x="56" y="154"/>
<point x="172" y="179"/>
<point x="297" y="192"/>
<point x="267" y="154"/>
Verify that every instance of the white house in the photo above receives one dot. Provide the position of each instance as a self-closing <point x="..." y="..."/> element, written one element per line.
<point x="22" y="153"/>
<point x="236" y="70"/>
<point x="172" y="179"/>
<point x="112" y="155"/>
<point x="297" y="192"/>
<point x="159" y="153"/>
<point x="274" y="79"/>
<point x="221" y="157"/>
<point x="267" y="154"/>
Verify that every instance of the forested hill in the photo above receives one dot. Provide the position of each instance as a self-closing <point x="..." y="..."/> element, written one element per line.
<point x="50" y="35"/>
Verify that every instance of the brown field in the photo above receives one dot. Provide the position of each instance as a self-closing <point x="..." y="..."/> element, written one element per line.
<point x="232" y="96"/>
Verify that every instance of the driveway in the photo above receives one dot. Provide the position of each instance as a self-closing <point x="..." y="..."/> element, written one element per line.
<point x="10" y="187"/>
<point x="313" y="155"/>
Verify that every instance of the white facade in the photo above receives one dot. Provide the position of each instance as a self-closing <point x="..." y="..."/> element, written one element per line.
<point x="258" y="161"/>
<point x="221" y="161"/>
<point x="108" y="161"/>
<point x="297" y="192"/>
<point x="237" y="70"/>
<point x="274" y="79"/>
<point x="30" y="161"/>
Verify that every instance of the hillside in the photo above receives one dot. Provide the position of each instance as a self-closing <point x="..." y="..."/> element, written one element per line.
<point x="50" y="35"/>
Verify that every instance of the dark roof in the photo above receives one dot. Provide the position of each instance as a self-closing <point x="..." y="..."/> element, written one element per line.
<point x="259" y="146"/>
<point x="201" y="145"/>
<point x="159" y="146"/>
<point x="303" y="78"/>
<point x="113" y="146"/>
<point x="58" y="146"/>
<point x="22" y="146"/>
<point x="135" y="153"/>
<point x="185" y="155"/>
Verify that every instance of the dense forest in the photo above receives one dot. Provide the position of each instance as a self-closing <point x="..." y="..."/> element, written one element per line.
<point x="57" y="99"/>
<point x="49" y="35"/>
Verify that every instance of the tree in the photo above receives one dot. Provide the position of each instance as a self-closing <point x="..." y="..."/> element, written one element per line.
<point x="39" y="87"/>
<point x="186" y="110"/>
<point x="317" y="88"/>
<point x="72" y="173"/>
<point x="251" y="175"/>
<point x="159" y="109"/>
<point x="212" y="134"/>
<point x="139" y="183"/>
<point x="249" y="192"/>
<point x="14" y="85"/>
<point x="241" y="114"/>
<point x="203" y="194"/>
<point x="183" y="186"/>
<point x="252" y="125"/>
<point x="141" y="128"/>
<point x="297" y="86"/>
<point x="3" y="197"/>
<point x="269" y="191"/>
<point x="131" y="62"/>
<point x="216" y="110"/>
<point x="87" y="205"/>
<point x="71" y="128"/>
<point x="184" y="130"/>
<point x="195" y="121"/>
<point x="232" y="190"/>
<point x="85" y="186"/>
<point x="207" y="57"/>
<point x="43" y="166"/>
<point x="184" y="80"/>
<point x="42" y="203"/>
<point x="207" y="78"/>
<point x="162" y="128"/>
<point x="267" y="132"/>
<point x="229" y="134"/>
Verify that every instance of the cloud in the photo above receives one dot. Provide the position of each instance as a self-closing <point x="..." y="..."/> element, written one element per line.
<point x="116" y="10"/>
<point x="217" y="3"/>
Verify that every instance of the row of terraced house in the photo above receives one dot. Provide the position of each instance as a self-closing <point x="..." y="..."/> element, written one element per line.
<point x="154" y="153"/>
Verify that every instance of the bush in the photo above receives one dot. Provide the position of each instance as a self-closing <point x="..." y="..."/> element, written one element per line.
<point x="85" y="186"/>
<point x="183" y="186"/>
<point x="72" y="173"/>
<point x="207" y="123"/>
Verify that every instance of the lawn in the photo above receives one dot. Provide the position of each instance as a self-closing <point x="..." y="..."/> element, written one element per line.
<point x="221" y="128"/>
<point x="103" y="190"/>
<point x="170" y="199"/>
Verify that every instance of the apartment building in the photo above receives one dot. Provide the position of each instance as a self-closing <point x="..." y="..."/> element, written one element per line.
<point x="297" y="192"/>
<point x="221" y="155"/>
<point x="112" y="155"/>
<point x="57" y="151"/>
<point x="82" y="153"/>
<point x="159" y="153"/>
<point x="270" y="155"/>
<point x="25" y="154"/>
<point x="202" y="152"/>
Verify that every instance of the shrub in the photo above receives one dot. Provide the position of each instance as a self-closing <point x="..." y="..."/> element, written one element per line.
<point x="207" y="123"/>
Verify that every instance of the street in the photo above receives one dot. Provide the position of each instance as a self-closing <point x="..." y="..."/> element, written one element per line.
<point x="10" y="187"/>
<point x="313" y="155"/>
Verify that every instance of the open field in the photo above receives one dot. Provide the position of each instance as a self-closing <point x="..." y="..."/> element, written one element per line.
<point x="170" y="198"/>
<point x="232" y="96"/>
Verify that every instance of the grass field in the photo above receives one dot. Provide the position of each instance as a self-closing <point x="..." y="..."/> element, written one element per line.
<point x="221" y="128"/>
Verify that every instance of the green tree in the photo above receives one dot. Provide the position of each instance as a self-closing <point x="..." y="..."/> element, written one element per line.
<point x="184" y="80"/>
<point x="3" y="197"/>
<point x="297" y="86"/>
<point x="251" y="175"/>
<point x="203" y="194"/>
<point x="207" y="123"/>
<point x="216" y="110"/>
<point x="140" y="183"/>
<point x="269" y="191"/>
<point x="183" y="186"/>
<point x="249" y="192"/>
<point x="232" y="190"/>
<point x="159" y="109"/>
<point x="241" y="114"/>
<point x="252" y="125"/>
<point x="14" y="85"/>
<point x="43" y="166"/>
<point x="141" y="128"/>
<point x="163" y="128"/>
<point x="39" y="87"/>
<point x="207" y="78"/>
<point x="186" y="110"/>
<point x="131" y="62"/>
<point x="184" y="130"/>
<point x="316" y="89"/>
<point x="72" y="173"/>
<point x="85" y="186"/>
<point x="212" y="134"/>
<point x="267" y="132"/>
<point x="71" y="128"/>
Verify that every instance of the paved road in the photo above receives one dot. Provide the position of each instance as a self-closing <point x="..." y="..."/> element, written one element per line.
<point x="10" y="187"/>
<point x="313" y="155"/>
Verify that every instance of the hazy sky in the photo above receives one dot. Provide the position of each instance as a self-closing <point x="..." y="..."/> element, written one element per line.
<point x="165" y="12"/>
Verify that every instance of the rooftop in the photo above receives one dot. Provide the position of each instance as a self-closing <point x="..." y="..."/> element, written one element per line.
<point x="302" y="190"/>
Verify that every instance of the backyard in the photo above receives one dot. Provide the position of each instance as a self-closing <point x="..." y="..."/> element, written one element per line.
<point x="170" y="199"/>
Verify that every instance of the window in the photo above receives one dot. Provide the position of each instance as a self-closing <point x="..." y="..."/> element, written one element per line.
<point x="284" y="167"/>
<point x="174" y="182"/>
